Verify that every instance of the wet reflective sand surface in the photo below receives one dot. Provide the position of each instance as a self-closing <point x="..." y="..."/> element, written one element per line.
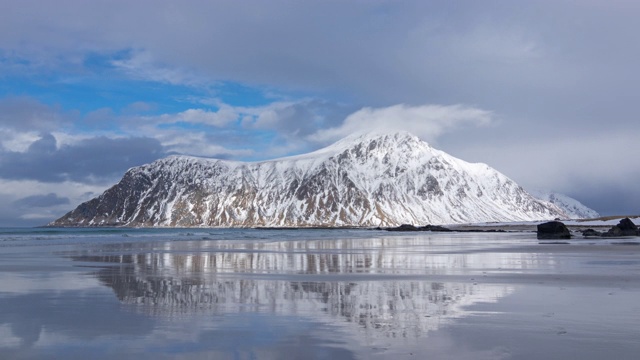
<point x="316" y="294"/>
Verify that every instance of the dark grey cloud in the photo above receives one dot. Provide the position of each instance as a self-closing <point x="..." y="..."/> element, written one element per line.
<point x="90" y="160"/>
<point x="304" y="118"/>
<point x="609" y="200"/>
<point x="35" y="201"/>
<point x="10" y="215"/>
<point x="294" y="122"/>
<point x="24" y="113"/>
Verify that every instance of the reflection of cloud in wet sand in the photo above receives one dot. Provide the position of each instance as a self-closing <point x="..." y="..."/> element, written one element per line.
<point x="311" y="279"/>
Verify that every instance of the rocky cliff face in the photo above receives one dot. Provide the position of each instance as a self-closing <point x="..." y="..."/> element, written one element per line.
<point x="368" y="180"/>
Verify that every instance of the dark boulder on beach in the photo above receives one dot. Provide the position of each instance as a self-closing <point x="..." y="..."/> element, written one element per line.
<point x="553" y="230"/>
<point x="625" y="227"/>
<point x="404" y="227"/>
<point x="408" y="227"/>
<point x="435" y="228"/>
<point x="591" y="232"/>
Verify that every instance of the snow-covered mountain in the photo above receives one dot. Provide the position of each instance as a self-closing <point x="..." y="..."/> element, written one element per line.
<point x="377" y="179"/>
<point x="572" y="207"/>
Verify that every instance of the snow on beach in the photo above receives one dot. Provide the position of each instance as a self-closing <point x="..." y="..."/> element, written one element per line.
<point x="582" y="223"/>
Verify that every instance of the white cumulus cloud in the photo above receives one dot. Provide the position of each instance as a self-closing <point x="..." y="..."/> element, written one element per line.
<point x="425" y="121"/>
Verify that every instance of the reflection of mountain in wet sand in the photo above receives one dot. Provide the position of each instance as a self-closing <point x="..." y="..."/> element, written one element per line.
<point x="306" y="278"/>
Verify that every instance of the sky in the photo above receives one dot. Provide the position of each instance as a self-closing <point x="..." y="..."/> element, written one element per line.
<point x="543" y="91"/>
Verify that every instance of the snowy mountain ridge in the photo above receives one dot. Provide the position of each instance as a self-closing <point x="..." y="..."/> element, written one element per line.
<point x="572" y="207"/>
<point x="377" y="179"/>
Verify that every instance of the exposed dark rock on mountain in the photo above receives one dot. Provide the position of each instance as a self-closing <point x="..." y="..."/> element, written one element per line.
<point x="553" y="230"/>
<point x="368" y="180"/>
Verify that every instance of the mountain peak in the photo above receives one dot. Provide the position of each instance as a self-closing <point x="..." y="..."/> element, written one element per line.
<point x="387" y="136"/>
<point x="368" y="140"/>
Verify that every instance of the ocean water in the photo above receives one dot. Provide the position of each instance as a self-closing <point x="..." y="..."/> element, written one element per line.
<point x="314" y="294"/>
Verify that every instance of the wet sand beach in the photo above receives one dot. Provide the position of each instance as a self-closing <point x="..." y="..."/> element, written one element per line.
<point x="315" y="294"/>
